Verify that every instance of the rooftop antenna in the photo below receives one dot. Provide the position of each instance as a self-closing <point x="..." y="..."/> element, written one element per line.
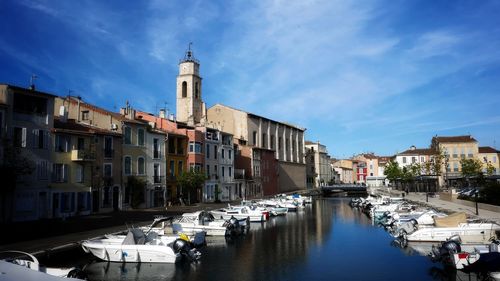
<point x="32" y="81"/>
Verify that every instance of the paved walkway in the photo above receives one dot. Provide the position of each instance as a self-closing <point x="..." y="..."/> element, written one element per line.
<point x="44" y="236"/>
<point x="443" y="205"/>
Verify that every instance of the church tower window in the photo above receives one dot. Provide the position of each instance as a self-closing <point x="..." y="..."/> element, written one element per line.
<point x="196" y="90"/>
<point x="184" y="89"/>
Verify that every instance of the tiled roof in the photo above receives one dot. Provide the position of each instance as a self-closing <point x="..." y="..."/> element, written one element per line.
<point x="70" y="126"/>
<point x="418" y="151"/>
<point x="455" y="139"/>
<point x="487" y="149"/>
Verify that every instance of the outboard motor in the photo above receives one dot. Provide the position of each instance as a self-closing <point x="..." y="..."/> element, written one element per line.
<point x="184" y="248"/>
<point x="78" y="274"/>
<point x="494" y="246"/>
<point x="448" y="248"/>
<point x="233" y="226"/>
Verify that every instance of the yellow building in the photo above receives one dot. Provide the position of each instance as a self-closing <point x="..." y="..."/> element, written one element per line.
<point x="489" y="155"/>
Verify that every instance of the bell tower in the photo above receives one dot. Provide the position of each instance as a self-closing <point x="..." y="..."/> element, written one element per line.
<point x="190" y="107"/>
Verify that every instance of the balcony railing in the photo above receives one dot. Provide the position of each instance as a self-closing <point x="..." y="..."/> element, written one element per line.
<point x="82" y="155"/>
<point x="109" y="153"/>
<point x="239" y="174"/>
<point x="158" y="179"/>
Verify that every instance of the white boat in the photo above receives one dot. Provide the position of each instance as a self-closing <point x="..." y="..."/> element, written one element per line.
<point x="191" y="223"/>
<point x="242" y="212"/>
<point x="24" y="266"/>
<point x="468" y="232"/>
<point x="137" y="247"/>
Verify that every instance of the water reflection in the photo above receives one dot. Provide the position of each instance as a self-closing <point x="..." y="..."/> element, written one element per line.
<point x="326" y="241"/>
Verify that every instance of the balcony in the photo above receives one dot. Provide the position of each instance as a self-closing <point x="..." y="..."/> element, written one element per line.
<point x="82" y="155"/>
<point x="158" y="179"/>
<point x="239" y="174"/>
<point x="108" y="153"/>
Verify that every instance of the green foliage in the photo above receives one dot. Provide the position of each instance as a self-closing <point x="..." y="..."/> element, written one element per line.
<point x="490" y="193"/>
<point x="471" y="167"/>
<point x="15" y="164"/>
<point x="392" y="171"/>
<point x="437" y="162"/>
<point x="490" y="169"/>
<point x="136" y="186"/>
<point x="191" y="180"/>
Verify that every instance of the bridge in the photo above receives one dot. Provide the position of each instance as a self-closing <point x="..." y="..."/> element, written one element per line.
<point x="343" y="188"/>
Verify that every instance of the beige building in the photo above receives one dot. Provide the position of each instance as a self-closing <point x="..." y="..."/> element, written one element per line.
<point x="321" y="160"/>
<point x="489" y="155"/>
<point x="287" y="141"/>
<point x="454" y="149"/>
<point x="344" y="169"/>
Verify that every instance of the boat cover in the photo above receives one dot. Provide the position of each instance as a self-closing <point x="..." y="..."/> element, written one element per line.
<point x="452" y="220"/>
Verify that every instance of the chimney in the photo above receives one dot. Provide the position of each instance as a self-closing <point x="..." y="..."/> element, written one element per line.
<point x="162" y="113"/>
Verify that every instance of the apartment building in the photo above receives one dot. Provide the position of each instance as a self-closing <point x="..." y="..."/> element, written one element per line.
<point x="322" y="167"/>
<point x="26" y="118"/>
<point x="344" y="168"/>
<point x="489" y="156"/>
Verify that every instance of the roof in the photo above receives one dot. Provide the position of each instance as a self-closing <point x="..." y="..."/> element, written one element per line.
<point x="28" y="90"/>
<point x="70" y="126"/>
<point x="487" y="149"/>
<point x="418" y="151"/>
<point x="467" y="138"/>
<point x="258" y="116"/>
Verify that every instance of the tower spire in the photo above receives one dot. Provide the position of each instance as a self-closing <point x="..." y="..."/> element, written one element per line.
<point x="189" y="55"/>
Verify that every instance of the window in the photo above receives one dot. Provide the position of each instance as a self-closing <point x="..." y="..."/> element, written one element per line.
<point x="108" y="147"/>
<point x="272" y="141"/>
<point x="180" y="146"/>
<point x="422" y="159"/>
<point x="216" y="172"/>
<point x="208" y="171"/>
<point x="230" y="171"/>
<point x="40" y="139"/>
<point x="156" y="148"/>
<point x="254" y="138"/>
<point x="455" y="167"/>
<point x="404" y="160"/>
<point x="62" y="143"/>
<point x="79" y="174"/>
<point x="222" y="153"/>
<point x="43" y="170"/>
<point x="215" y="151"/>
<point x="222" y="171"/>
<point x="28" y="104"/>
<point x="264" y="140"/>
<point x="208" y="151"/>
<point x="85" y="115"/>
<point x="455" y="152"/>
<point x="184" y="89"/>
<point x="413" y="160"/>
<point x="287" y="145"/>
<point x="171" y="145"/>
<point x="172" y="168"/>
<point x="229" y="153"/>
<point x="280" y="143"/>
<point x="494" y="159"/>
<point x="19" y="137"/>
<point x="127" y="165"/>
<point x="80" y="144"/>
<point x="141" y="169"/>
<point x="180" y="166"/>
<point x="140" y="137"/>
<point x="195" y="167"/>
<point x="196" y="90"/>
<point x="195" y="147"/>
<point x="127" y="138"/>
<point x="60" y="172"/>
<point x="156" y="173"/>
<point x="108" y="170"/>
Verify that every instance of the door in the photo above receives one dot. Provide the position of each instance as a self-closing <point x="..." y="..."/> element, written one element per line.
<point x="95" y="201"/>
<point x="42" y="205"/>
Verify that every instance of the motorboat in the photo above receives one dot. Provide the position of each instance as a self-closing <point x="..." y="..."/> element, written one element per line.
<point x="456" y="224"/>
<point x="240" y="212"/>
<point x="24" y="266"/>
<point x="191" y="223"/>
<point x="482" y="257"/>
<point x="137" y="246"/>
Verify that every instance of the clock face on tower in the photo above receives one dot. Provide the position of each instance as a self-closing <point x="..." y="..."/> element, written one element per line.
<point x="184" y="68"/>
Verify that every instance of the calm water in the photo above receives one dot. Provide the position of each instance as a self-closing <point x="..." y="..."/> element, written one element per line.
<point x="326" y="241"/>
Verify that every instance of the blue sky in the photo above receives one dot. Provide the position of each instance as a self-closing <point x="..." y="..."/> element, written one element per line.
<point x="361" y="76"/>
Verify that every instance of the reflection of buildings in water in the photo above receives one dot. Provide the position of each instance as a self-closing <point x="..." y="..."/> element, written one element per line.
<point x="129" y="271"/>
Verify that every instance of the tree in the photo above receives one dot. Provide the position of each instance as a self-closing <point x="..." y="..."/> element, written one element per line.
<point x="490" y="169"/>
<point x="392" y="171"/>
<point x="471" y="168"/>
<point x="191" y="181"/>
<point x="136" y="186"/>
<point x="15" y="164"/>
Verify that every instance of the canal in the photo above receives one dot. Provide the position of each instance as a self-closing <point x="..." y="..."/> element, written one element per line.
<point x="328" y="240"/>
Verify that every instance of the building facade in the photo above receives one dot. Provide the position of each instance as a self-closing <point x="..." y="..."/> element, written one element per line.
<point x="322" y="167"/>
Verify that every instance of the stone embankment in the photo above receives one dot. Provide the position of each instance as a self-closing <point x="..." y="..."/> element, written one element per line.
<point x="443" y="203"/>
